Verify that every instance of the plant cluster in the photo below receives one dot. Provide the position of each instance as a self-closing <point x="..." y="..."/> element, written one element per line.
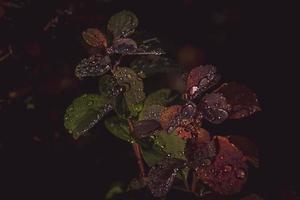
<point x="164" y="126"/>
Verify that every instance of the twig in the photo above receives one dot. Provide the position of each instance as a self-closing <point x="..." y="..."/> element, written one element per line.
<point x="137" y="152"/>
<point x="194" y="183"/>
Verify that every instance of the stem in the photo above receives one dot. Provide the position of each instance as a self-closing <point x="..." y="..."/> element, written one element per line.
<point x="194" y="182"/>
<point x="137" y="153"/>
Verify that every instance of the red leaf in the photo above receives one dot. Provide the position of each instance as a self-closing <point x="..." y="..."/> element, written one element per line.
<point x="242" y="100"/>
<point x="228" y="173"/>
<point x="200" y="79"/>
<point x="249" y="149"/>
<point x="200" y="151"/>
<point x="94" y="37"/>
<point x="162" y="176"/>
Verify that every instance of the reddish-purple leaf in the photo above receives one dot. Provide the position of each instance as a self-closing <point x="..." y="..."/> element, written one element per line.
<point x="214" y="108"/>
<point x="200" y="79"/>
<point x="228" y="173"/>
<point x="146" y="128"/>
<point x="168" y="115"/>
<point x="200" y="151"/>
<point x="249" y="149"/>
<point x="161" y="176"/>
<point x="94" y="37"/>
<point x="123" y="46"/>
<point x="242" y="100"/>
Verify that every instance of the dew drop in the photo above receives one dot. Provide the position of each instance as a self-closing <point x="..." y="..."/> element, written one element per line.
<point x="227" y="168"/>
<point x="241" y="173"/>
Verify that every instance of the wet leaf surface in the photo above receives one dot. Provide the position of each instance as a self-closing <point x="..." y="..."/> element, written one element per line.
<point x="228" y="172"/>
<point x="146" y="128"/>
<point x="122" y="24"/>
<point x="214" y="108"/>
<point x="178" y="116"/>
<point x="93" y="66"/>
<point x="134" y="93"/>
<point x="162" y="176"/>
<point x="168" y="115"/>
<point x="118" y="128"/>
<point x="152" y="154"/>
<point x="242" y="100"/>
<point x="151" y="112"/>
<point x="124" y="46"/>
<point x="151" y="65"/>
<point x="200" y="152"/>
<point x="94" y="37"/>
<point x="171" y="143"/>
<point x="200" y="79"/>
<point x="109" y="87"/>
<point x="85" y="112"/>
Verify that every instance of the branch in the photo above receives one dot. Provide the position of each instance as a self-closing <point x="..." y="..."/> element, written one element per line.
<point x="137" y="152"/>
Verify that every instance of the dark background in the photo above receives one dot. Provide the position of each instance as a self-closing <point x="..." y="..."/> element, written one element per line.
<point x="248" y="41"/>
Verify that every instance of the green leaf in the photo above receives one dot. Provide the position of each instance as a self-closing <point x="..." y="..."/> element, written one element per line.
<point x="118" y="128"/>
<point x="151" y="112"/>
<point x="153" y="105"/>
<point x="171" y="143"/>
<point x="152" y="155"/>
<point x="136" y="184"/>
<point x="151" y="65"/>
<point x="134" y="94"/>
<point x="121" y="108"/>
<point x="108" y="86"/>
<point x="159" y="97"/>
<point x="85" y="112"/>
<point x="115" y="190"/>
<point x="122" y="24"/>
<point x="183" y="174"/>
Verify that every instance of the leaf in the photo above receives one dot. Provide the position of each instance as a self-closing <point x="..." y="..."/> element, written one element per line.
<point x="122" y="24"/>
<point x="168" y="115"/>
<point x="249" y="149"/>
<point x="124" y="46"/>
<point x="151" y="65"/>
<point x="151" y="112"/>
<point x="162" y="176"/>
<point x="118" y="128"/>
<point x="200" y="79"/>
<point x="214" y="108"/>
<point x="242" y="100"/>
<point x="134" y="94"/>
<point x="146" y="128"/>
<point x="84" y="112"/>
<point x="175" y="116"/>
<point x="109" y="87"/>
<point x="156" y="101"/>
<point x="148" y="44"/>
<point x="121" y="108"/>
<point x="94" y="37"/>
<point x="152" y="154"/>
<point x="200" y="153"/>
<point x="115" y="190"/>
<point x="228" y="173"/>
<point x="136" y="184"/>
<point x="171" y="143"/>
<point x="183" y="174"/>
<point x="159" y="97"/>
<point x="93" y="66"/>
